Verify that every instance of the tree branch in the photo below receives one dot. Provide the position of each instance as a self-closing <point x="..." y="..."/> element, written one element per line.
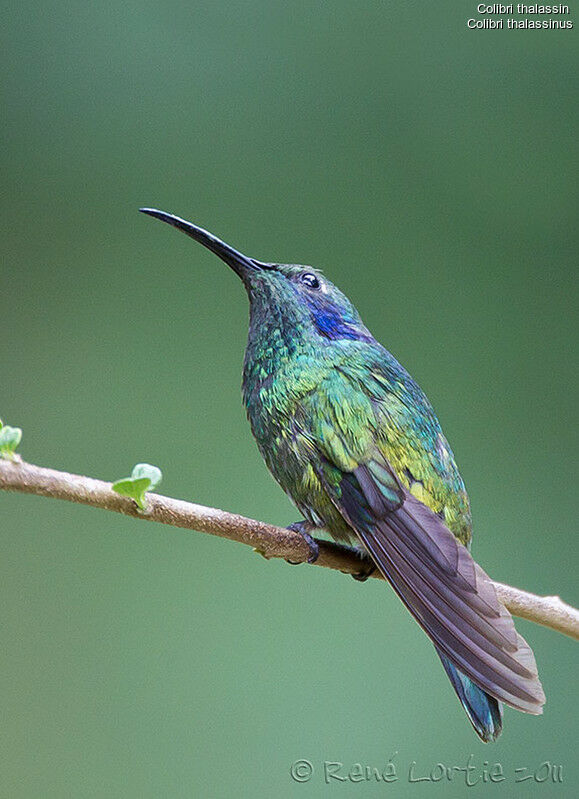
<point x="270" y="541"/>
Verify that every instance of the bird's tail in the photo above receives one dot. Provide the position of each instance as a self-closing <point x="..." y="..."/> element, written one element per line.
<point x="484" y="711"/>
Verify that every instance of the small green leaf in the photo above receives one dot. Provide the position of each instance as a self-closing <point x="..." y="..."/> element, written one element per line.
<point x="135" y="489"/>
<point x="10" y="437"/>
<point x="153" y="473"/>
<point x="144" y="477"/>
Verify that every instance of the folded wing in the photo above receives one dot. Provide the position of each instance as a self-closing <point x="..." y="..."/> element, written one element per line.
<point x="446" y="591"/>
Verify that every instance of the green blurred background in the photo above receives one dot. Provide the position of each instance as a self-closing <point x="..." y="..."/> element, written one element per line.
<point x="431" y="171"/>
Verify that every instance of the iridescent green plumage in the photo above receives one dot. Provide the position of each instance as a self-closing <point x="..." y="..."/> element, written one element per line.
<point x="312" y="397"/>
<point x="355" y="443"/>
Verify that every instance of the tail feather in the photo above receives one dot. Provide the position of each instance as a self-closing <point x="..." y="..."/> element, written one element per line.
<point x="447" y="592"/>
<point x="483" y="710"/>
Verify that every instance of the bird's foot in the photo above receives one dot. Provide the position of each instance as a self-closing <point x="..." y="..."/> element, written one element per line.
<point x="304" y="528"/>
<point x="362" y="576"/>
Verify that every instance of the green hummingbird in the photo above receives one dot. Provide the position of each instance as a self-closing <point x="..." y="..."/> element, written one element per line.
<point x="355" y="443"/>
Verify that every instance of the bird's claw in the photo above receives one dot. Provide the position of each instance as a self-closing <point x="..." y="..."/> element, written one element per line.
<point x="303" y="529"/>
<point x="362" y="576"/>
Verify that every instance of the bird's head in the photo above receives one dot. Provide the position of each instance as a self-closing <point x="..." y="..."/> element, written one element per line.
<point x="287" y="295"/>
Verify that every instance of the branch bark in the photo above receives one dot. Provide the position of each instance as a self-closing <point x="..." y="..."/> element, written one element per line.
<point x="270" y="541"/>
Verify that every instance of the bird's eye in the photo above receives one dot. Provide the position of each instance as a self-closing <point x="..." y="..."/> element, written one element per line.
<point x="310" y="280"/>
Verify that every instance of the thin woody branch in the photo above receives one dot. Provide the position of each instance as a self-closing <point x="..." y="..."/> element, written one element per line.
<point x="271" y="541"/>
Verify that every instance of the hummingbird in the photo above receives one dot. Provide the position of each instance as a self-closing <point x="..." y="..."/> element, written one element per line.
<point x="355" y="443"/>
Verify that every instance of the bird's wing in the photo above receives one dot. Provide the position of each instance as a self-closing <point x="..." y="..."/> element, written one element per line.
<point x="448" y="594"/>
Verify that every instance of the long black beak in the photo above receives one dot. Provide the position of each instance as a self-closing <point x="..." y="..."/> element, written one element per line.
<point x="237" y="261"/>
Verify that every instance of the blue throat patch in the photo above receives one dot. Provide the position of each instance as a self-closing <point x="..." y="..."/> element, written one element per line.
<point x="333" y="326"/>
